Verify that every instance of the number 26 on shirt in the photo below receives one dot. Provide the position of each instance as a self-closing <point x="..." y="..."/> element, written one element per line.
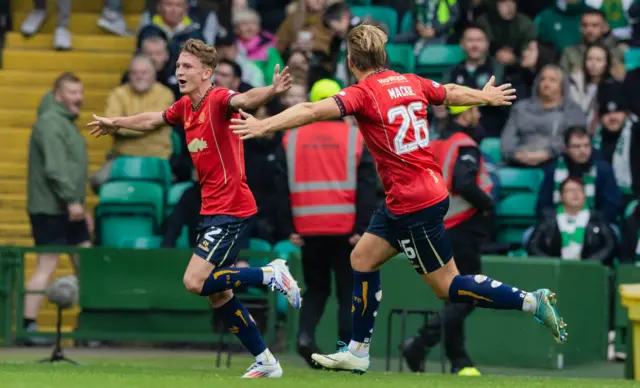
<point x="407" y="113"/>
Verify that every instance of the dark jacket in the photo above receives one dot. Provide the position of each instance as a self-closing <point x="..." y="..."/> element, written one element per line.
<point x="608" y="148"/>
<point x="608" y="198"/>
<point x="515" y="33"/>
<point x="599" y="239"/>
<point x="465" y="173"/>
<point x="58" y="160"/>
<point x="632" y="91"/>
<point x="630" y="228"/>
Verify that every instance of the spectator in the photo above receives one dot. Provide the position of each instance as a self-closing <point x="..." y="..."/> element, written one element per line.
<point x="630" y="246"/>
<point x="573" y="231"/>
<point x="246" y="26"/>
<point x="475" y="71"/>
<point x="228" y="49"/>
<point x="522" y="74"/>
<point x="632" y="91"/>
<point x="585" y="84"/>
<point x="272" y="12"/>
<point x="155" y="48"/>
<point x="560" y="25"/>
<point x="594" y="29"/>
<point x="228" y="74"/>
<point x="36" y="18"/>
<point x="141" y="94"/>
<point x="433" y="20"/>
<point x="346" y="181"/>
<point x="56" y="182"/>
<point x="617" y="15"/>
<point x="111" y="19"/>
<point x="596" y="174"/>
<point x="533" y="134"/>
<point x="616" y="137"/>
<point x="508" y="30"/>
<point x="185" y="213"/>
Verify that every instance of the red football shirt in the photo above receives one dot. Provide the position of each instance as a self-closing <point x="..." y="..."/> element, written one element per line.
<point x="217" y="153"/>
<point x="391" y="110"/>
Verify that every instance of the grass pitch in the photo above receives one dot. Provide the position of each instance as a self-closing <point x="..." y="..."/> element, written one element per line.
<point x="180" y="370"/>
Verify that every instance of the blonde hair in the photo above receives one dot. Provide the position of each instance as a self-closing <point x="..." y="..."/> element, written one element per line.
<point x="366" y="47"/>
<point x="207" y="54"/>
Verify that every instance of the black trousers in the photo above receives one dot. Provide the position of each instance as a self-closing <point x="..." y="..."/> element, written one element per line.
<point x="466" y="239"/>
<point x="322" y="255"/>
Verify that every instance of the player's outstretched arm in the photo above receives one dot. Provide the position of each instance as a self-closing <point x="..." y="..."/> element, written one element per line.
<point x="257" y="97"/>
<point x="492" y="95"/>
<point x="147" y="121"/>
<point x="294" y="117"/>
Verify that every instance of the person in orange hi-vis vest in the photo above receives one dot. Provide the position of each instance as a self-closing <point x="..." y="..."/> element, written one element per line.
<point x="332" y="186"/>
<point x="467" y="223"/>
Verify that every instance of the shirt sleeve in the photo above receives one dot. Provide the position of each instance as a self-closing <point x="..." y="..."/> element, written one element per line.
<point x="351" y="100"/>
<point x="222" y="98"/>
<point x="174" y="115"/>
<point x="434" y="92"/>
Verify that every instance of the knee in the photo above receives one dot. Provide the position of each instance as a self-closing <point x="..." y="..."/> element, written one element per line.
<point x="360" y="262"/>
<point x="220" y="299"/>
<point x="193" y="283"/>
<point x="442" y="291"/>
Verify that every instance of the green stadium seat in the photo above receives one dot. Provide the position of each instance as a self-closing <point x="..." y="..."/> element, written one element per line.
<point x="147" y="242"/>
<point x="359" y="2"/>
<point x="632" y="58"/>
<point x="407" y="25"/>
<point x="401" y="57"/>
<point x="517" y="210"/>
<point x="382" y="14"/>
<point x="174" y="195"/>
<point x="132" y="198"/>
<point x="133" y="168"/>
<point x="113" y="229"/>
<point x="435" y="59"/>
<point x="520" y="180"/>
<point x="183" y="239"/>
<point x="284" y="249"/>
<point x="256" y="244"/>
<point x="491" y="146"/>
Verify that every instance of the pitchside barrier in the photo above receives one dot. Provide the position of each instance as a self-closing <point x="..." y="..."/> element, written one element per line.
<point x="138" y="295"/>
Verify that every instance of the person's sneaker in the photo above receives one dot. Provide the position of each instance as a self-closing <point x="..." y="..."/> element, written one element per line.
<point x="114" y="23"/>
<point x="34" y="341"/>
<point x="469" y="371"/>
<point x="305" y="350"/>
<point x="547" y="315"/>
<point x="342" y="360"/>
<point x="284" y="282"/>
<point x="62" y="39"/>
<point x="33" y="22"/>
<point x="258" y="370"/>
<point x="413" y="352"/>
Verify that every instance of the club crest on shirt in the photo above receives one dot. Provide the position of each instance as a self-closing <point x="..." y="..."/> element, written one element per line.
<point x="197" y="145"/>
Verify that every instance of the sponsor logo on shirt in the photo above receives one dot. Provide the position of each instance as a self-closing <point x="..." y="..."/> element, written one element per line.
<point x="197" y="145"/>
<point x="435" y="84"/>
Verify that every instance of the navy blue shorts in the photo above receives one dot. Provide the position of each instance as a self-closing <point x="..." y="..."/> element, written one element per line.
<point x="420" y="235"/>
<point x="221" y="237"/>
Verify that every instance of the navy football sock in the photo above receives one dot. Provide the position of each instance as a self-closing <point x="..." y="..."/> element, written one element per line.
<point x="367" y="293"/>
<point x="239" y="322"/>
<point x="227" y="278"/>
<point x="485" y="292"/>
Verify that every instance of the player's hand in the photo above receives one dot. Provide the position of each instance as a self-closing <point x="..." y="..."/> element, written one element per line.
<point x="75" y="212"/>
<point x="296" y="240"/>
<point x="248" y="128"/>
<point x="282" y="81"/>
<point x="102" y="126"/>
<point x="502" y="95"/>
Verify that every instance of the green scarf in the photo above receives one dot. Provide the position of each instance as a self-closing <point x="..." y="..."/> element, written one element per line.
<point x="589" y="179"/>
<point x="620" y="161"/>
<point x="572" y="232"/>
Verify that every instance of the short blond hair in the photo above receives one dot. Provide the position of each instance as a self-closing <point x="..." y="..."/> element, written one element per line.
<point x="366" y="47"/>
<point x="207" y="54"/>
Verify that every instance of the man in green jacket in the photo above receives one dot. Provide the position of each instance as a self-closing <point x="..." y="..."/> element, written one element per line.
<point x="56" y="183"/>
<point x="560" y="24"/>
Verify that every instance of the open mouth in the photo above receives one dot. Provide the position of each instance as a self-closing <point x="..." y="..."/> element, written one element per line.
<point x="182" y="82"/>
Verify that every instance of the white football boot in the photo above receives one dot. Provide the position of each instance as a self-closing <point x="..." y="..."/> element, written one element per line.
<point x="258" y="370"/>
<point x="343" y="360"/>
<point x="284" y="282"/>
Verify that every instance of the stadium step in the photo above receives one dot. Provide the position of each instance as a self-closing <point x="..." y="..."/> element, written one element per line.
<point x="21" y="242"/>
<point x="49" y="317"/>
<point x="110" y="43"/>
<point x="45" y="79"/>
<point x="94" y="99"/>
<point x="19" y="170"/>
<point x="21" y="155"/>
<point x="66" y="61"/>
<point x="128" y="6"/>
<point x="19" y="138"/>
<point x="19" y="201"/>
<point x="15" y="230"/>
<point x="14" y="215"/>
<point x="12" y="186"/>
<point x="80" y="23"/>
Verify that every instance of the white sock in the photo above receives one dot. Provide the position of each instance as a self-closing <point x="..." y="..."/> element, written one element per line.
<point x="267" y="275"/>
<point x="266" y="358"/>
<point x="359" y="349"/>
<point x="530" y="303"/>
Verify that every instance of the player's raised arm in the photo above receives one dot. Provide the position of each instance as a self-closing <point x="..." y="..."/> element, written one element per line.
<point x="147" y="121"/>
<point x="492" y="95"/>
<point x="257" y="97"/>
<point x="296" y="116"/>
